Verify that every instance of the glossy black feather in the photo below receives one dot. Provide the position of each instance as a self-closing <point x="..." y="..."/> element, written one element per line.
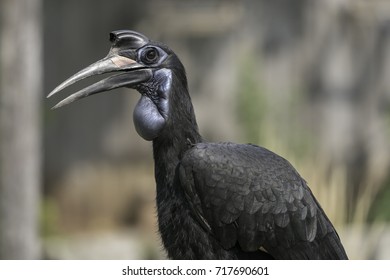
<point x="252" y="198"/>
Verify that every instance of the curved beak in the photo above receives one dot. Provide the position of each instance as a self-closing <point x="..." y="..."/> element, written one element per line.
<point x="132" y="73"/>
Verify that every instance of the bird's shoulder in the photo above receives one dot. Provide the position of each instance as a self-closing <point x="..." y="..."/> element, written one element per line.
<point x="243" y="169"/>
<point x="238" y="160"/>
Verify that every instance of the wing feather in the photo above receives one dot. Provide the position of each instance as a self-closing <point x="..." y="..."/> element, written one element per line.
<point x="247" y="195"/>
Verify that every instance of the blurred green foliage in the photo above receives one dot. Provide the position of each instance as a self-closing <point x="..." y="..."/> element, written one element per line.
<point x="380" y="208"/>
<point x="264" y="123"/>
<point x="251" y="102"/>
<point x="49" y="217"/>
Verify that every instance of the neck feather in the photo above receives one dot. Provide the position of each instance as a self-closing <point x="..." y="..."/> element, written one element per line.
<point x="179" y="134"/>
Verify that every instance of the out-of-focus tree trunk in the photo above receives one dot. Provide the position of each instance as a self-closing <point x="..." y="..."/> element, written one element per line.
<point x="20" y="128"/>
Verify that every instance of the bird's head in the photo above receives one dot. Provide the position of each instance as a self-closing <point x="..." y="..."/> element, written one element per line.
<point x="138" y="63"/>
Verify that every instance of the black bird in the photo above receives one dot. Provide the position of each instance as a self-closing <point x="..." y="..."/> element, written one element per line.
<point x="214" y="200"/>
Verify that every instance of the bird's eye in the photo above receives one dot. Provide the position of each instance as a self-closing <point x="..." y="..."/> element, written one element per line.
<point x="150" y="56"/>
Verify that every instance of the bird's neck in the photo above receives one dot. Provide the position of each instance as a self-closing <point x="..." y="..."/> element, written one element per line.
<point x="179" y="135"/>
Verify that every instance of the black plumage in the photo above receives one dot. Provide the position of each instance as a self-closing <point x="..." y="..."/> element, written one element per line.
<point x="214" y="200"/>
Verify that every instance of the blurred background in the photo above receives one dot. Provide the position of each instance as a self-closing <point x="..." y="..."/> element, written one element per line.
<point x="309" y="80"/>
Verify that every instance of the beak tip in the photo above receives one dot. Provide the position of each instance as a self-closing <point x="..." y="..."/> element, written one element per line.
<point x="56" y="107"/>
<point x="60" y="104"/>
<point x="54" y="91"/>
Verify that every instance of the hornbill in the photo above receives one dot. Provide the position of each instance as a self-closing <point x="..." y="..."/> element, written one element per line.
<point x="214" y="200"/>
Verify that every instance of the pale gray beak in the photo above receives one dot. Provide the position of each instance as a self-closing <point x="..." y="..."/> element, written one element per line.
<point x="132" y="73"/>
